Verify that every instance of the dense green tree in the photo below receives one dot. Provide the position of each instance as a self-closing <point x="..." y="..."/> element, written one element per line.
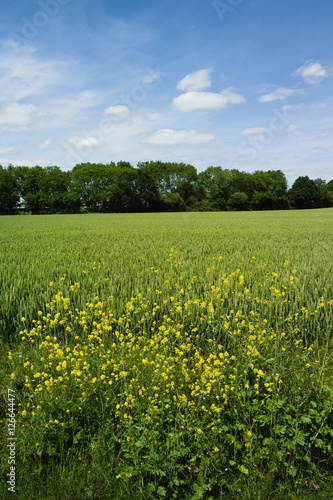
<point x="270" y="190"/>
<point x="329" y="190"/>
<point x="147" y="192"/>
<point x="174" y="202"/>
<point x="219" y="185"/>
<point x="9" y="190"/>
<point x="238" y="201"/>
<point x="130" y="190"/>
<point x="154" y="186"/>
<point x="33" y="182"/>
<point x="90" y="183"/>
<point x="241" y="182"/>
<point x="171" y="178"/>
<point x="20" y="173"/>
<point x="304" y="193"/>
<point x="46" y="190"/>
<point x="115" y="188"/>
<point x="57" y="191"/>
<point x="123" y="164"/>
<point x="213" y="187"/>
<point x="326" y="197"/>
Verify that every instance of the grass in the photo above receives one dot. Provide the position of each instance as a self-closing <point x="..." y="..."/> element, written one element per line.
<point x="168" y="355"/>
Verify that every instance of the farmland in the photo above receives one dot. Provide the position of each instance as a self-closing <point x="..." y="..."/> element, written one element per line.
<point x="171" y="355"/>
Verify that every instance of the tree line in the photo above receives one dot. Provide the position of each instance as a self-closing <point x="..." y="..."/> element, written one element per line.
<point x="153" y="186"/>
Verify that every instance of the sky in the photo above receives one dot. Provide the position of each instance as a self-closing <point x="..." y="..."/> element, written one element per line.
<point x="243" y="84"/>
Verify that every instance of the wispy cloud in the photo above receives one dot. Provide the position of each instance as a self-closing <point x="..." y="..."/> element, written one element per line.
<point x="17" y="117"/>
<point x="312" y="72"/>
<point x="86" y="142"/>
<point x="118" y="112"/>
<point x="4" y="149"/>
<point x="198" y="80"/>
<point x="172" y="137"/>
<point x="289" y="107"/>
<point x="46" y="144"/>
<point x="254" y="131"/>
<point x="293" y="130"/>
<point x="191" y="101"/>
<point x="327" y="147"/>
<point x="280" y="93"/>
<point x="25" y="75"/>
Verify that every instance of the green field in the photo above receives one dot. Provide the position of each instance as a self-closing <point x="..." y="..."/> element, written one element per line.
<point x="170" y="355"/>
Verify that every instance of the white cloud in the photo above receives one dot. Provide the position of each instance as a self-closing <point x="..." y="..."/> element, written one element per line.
<point x="45" y="144"/>
<point x="191" y="101"/>
<point x="312" y="73"/>
<point x="57" y="86"/>
<point x="288" y="107"/>
<point x="198" y="80"/>
<point x="18" y="117"/>
<point x="255" y="131"/>
<point x="291" y="128"/>
<point x="280" y="93"/>
<point x="24" y="75"/>
<point x="4" y="149"/>
<point x="69" y="107"/>
<point x="231" y="97"/>
<point x="119" y="112"/>
<point x="86" y="142"/>
<point x="172" y="137"/>
<point x="258" y="133"/>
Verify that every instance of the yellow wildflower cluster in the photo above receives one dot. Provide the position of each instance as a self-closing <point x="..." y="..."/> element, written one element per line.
<point x="181" y="348"/>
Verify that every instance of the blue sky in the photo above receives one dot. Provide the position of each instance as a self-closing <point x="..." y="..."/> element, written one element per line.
<point x="243" y="84"/>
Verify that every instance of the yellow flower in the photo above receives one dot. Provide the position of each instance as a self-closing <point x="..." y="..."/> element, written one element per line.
<point x="12" y="375"/>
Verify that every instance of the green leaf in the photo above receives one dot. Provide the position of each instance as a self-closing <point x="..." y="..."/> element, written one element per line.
<point x="161" y="491"/>
<point x="243" y="469"/>
<point x="292" y="471"/>
<point x="140" y="443"/>
<point x="77" y="437"/>
<point x="300" y="440"/>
